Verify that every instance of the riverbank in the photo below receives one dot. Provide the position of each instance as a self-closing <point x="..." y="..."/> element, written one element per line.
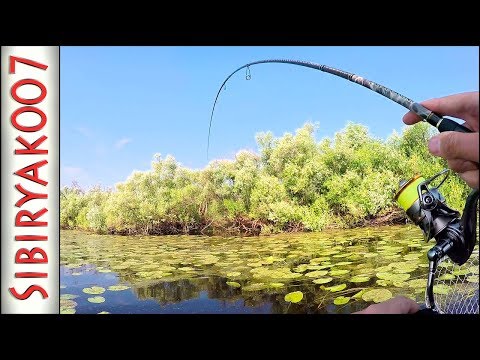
<point x="242" y="226"/>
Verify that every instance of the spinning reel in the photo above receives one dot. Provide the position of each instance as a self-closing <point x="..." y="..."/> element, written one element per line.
<point x="455" y="235"/>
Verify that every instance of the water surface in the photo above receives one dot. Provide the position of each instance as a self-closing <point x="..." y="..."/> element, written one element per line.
<point x="334" y="270"/>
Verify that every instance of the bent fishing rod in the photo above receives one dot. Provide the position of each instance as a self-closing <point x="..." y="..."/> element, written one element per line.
<point x="441" y="123"/>
<point x="455" y="234"/>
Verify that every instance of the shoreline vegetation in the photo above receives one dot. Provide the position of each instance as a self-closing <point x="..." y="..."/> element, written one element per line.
<point x="294" y="183"/>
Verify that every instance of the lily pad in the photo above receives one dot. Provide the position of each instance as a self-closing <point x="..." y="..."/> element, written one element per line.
<point x="473" y="279"/>
<point x="301" y="268"/>
<point x="234" y="274"/>
<point x="341" y="300"/>
<point x="417" y="283"/>
<point x="323" y="280"/>
<point x="359" y="294"/>
<point x="233" y="284"/>
<point x="316" y="274"/>
<point x="339" y="272"/>
<point x="276" y="285"/>
<point x="473" y="269"/>
<point x="461" y="272"/>
<point x="68" y="296"/>
<point x="447" y="277"/>
<point x="67" y="311"/>
<point x="118" y="287"/>
<point x="67" y="303"/>
<point x="370" y="255"/>
<point x="255" y="287"/>
<point x="294" y="297"/>
<point x="94" y="290"/>
<point x="441" y="289"/>
<point x="359" y="279"/>
<point x="336" y="288"/>
<point x="96" y="299"/>
<point x="377" y="295"/>
<point x="383" y="282"/>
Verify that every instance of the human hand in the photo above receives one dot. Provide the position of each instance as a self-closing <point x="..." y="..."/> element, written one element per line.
<point x="459" y="149"/>
<point x="397" y="305"/>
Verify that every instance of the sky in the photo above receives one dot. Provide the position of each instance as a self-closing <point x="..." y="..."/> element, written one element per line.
<point x="119" y="106"/>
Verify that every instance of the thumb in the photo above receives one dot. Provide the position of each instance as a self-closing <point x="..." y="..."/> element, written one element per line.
<point x="455" y="145"/>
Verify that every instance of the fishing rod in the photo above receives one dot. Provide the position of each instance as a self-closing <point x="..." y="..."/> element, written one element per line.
<point x="455" y="235"/>
<point x="441" y="123"/>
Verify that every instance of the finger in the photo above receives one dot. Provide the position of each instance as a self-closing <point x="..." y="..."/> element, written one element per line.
<point x="463" y="106"/>
<point x="460" y="166"/>
<point x="455" y="145"/>
<point x="471" y="178"/>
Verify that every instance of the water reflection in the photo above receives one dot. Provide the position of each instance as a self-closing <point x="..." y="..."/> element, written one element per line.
<point x="191" y="274"/>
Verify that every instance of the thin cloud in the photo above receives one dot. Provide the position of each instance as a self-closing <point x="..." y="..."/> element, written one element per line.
<point x="84" y="131"/>
<point x="120" y="144"/>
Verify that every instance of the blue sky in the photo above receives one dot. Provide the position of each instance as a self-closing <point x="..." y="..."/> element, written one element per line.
<point x="121" y="105"/>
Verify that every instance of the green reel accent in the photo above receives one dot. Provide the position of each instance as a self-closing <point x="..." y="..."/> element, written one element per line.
<point x="408" y="194"/>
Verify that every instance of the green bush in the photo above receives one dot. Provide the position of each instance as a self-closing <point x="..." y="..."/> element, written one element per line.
<point x="294" y="179"/>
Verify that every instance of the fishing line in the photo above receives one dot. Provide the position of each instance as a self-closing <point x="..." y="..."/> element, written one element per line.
<point x="441" y="123"/>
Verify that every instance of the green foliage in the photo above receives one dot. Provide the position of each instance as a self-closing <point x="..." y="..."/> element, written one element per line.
<point x="294" y="181"/>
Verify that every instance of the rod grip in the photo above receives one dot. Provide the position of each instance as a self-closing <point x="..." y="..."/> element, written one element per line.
<point x="447" y="124"/>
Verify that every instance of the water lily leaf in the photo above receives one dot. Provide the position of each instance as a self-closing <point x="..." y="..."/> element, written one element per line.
<point x="96" y="299"/>
<point x="67" y="311"/>
<point x="359" y="294"/>
<point x="118" y="287"/>
<point x="341" y="300"/>
<point x="377" y="295"/>
<point x="233" y="284"/>
<point x="319" y="260"/>
<point x="301" y="268"/>
<point x="234" y="274"/>
<point x="370" y="255"/>
<point x="94" y="290"/>
<point x="447" y="277"/>
<point x="336" y="288"/>
<point x="294" y="297"/>
<point x="276" y="285"/>
<point x="395" y="256"/>
<point x="344" y="263"/>
<point x="323" y="280"/>
<point x="314" y="267"/>
<point x="339" y="272"/>
<point x="400" y="284"/>
<point x="359" y="279"/>
<point x="441" y="289"/>
<point x="316" y="274"/>
<point x="68" y="296"/>
<point x="186" y="268"/>
<point x="67" y="303"/>
<point x="383" y="282"/>
<point x="255" y="287"/>
<point x="473" y="269"/>
<point x="473" y="278"/>
<point x="460" y="272"/>
<point x="417" y="283"/>
<point x="341" y="255"/>
<point x="412" y="256"/>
